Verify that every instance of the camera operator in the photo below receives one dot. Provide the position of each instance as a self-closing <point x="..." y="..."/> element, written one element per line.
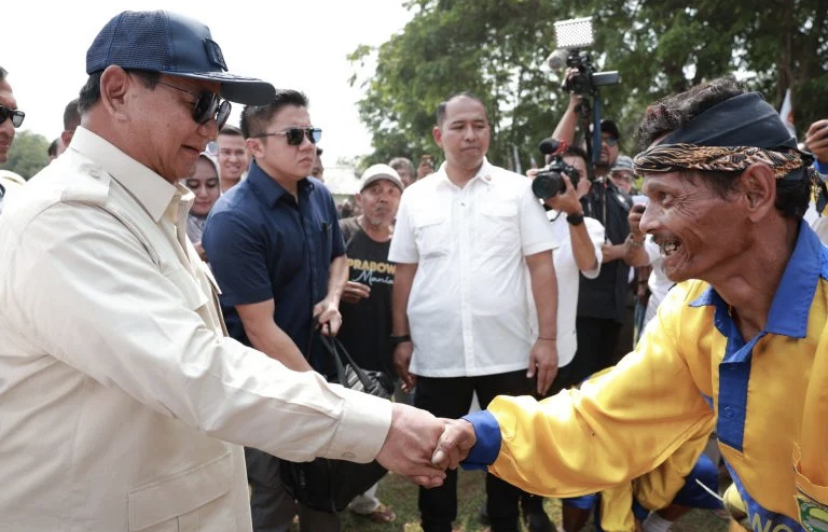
<point x="602" y="301"/>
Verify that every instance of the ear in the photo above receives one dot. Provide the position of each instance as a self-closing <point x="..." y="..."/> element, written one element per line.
<point x="115" y="86"/>
<point x="438" y="136"/>
<point x="758" y="185"/>
<point x="255" y="148"/>
<point x="66" y="136"/>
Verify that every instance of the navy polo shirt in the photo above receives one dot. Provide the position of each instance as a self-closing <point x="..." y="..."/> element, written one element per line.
<point x="262" y="244"/>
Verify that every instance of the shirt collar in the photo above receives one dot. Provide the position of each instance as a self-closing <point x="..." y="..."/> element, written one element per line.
<point x="153" y="192"/>
<point x="272" y="191"/>
<point x="791" y="304"/>
<point x="484" y="175"/>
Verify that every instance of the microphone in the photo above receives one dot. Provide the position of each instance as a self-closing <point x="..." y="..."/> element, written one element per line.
<point x="557" y="59"/>
<point x="552" y="146"/>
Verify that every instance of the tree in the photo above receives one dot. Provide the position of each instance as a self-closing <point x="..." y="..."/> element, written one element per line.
<point x="495" y="49"/>
<point x="28" y="154"/>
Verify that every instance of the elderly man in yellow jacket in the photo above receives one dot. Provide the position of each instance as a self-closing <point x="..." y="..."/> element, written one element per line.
<point x="738" y="341"/>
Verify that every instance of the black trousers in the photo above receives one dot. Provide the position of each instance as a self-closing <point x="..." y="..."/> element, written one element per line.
<point x="452" y="398"/>
<point x="597" y="344"/>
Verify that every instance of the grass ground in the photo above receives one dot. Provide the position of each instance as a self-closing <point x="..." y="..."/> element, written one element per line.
<point x="401" y="495"/>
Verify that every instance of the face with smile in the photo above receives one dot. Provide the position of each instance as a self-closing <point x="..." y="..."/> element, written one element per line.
<point x="464" y="134"/>
<point x="205" y="185"/>
<point x="232" y="156"/>
<point x="276" y="157"/>
<point x="698" y="231"/>
<point x="158" y="122"/>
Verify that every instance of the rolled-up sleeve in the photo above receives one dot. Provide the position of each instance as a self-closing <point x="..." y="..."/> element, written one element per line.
<point x="536" y="233"/>
<point x="87" y="292"/>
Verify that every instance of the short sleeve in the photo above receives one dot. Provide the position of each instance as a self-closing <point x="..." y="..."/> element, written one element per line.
<point x="597" y="234"/>
<point x="536" y="233"/>
<point x="403" y="246"/>
<point x="338" y="241"/>
<point x="237" y="256"/>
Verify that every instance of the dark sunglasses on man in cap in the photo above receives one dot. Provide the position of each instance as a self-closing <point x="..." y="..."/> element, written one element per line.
<point x="207" y="105"/>
<point x="295" y="135"/>
<point x="15" y="115"/>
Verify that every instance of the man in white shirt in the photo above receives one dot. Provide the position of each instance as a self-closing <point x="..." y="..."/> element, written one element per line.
<point x="119" y="390"/>
<point x="461" y="321"/>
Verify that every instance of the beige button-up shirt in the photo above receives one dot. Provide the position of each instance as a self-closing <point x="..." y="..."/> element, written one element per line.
<point x="118" y="389"/>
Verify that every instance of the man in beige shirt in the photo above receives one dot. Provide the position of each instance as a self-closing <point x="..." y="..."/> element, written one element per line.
<point x="119" y="390"/>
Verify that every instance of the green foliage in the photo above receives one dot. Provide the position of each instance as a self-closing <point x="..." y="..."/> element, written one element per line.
<point x="496" y="49"/>
<point x="28" y="154"/>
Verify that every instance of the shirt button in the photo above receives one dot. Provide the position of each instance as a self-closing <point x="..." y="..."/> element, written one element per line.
<point x="728" y="412"/>
<point x="348" y="455"/>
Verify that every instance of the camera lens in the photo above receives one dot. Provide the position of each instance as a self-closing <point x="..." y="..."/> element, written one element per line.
<point x="547" y="185"/>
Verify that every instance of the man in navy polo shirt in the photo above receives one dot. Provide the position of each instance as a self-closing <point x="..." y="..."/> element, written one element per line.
<point x="275" y="247"/>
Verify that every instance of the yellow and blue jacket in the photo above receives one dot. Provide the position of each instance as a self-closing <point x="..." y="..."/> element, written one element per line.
<point x="768" y="398"/>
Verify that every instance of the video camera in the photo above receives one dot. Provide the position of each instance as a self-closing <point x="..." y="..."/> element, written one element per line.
<point x="549" y="181"/>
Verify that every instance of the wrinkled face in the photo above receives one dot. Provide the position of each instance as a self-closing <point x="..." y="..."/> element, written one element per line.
<point x="583" y="182"/>
<point x="275" y="155"/>
<point x="232" y="156"/>
<point x="205" y="185"/>
<point x="162" y="133"/>
<point x="609" y="150"/>
<point x="6" y="128"/>
<point x="464" y="134"/>
<point x="379" y="203"/>
<point x="697" y="230"/>
<point x="623" y="179"/>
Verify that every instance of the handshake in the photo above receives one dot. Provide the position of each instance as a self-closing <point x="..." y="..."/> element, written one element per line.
<point x="421" y="446"/>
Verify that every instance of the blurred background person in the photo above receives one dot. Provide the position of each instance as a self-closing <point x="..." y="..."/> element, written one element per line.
<point x="232" y="157"/>
<point x="318" y="169"/>
<point x="205" y="185"/>
<point x="425" y="167"/>
<point x="405" y="169"/>
<point x="71" y="121"/>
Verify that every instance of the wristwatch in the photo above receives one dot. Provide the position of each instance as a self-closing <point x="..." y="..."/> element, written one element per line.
<point x="575" y="219"/>
<point x="397" y="340"/>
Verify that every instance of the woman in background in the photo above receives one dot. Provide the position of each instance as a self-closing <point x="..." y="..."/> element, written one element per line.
<point x="205" y="185"/>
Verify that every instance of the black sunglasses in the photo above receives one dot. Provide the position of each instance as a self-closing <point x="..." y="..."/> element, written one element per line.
<point x="206" y="106"/>
<point x="15" y="115"/>
<point x="295" y="135"/>
<point x="610" y="141"/>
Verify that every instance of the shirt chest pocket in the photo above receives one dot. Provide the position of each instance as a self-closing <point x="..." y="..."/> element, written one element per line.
<point x="195" y="500"/>
<point x="498" y="230"/>
<point x="432" y="235"/>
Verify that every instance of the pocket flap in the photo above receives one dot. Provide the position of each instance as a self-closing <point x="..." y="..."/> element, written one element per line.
<point x="182" y="493"/>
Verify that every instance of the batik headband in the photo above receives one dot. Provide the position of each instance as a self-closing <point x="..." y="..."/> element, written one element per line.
<point x="673" y="157"/>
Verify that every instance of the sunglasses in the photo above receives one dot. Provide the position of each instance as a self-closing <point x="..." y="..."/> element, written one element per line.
<point x="295" y="135"/>
<point x="610" y="141"/>
<point x="16" y="116"/>
<point x="207" y="105"/>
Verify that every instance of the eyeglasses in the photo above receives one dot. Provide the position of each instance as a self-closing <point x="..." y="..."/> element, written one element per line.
<point x="206" y="106"/>
<point x="295" y="135"/>
<point x="610" y="141"/>
<point x="15" y="115"/>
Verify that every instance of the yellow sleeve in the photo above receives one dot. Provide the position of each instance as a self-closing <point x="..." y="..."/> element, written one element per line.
<point x="616" y="509"/>
<point x="615" y="428"/>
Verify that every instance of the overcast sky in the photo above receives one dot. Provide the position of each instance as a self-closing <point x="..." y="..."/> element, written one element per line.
<point x="300" y="44"/>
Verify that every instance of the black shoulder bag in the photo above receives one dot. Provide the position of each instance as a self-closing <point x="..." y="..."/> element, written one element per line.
<point x="329" y="485"/>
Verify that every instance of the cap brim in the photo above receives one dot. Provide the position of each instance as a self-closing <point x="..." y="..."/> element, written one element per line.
<point x="237" y="89"/>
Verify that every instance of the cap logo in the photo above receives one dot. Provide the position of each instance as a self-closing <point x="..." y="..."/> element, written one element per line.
<point x="214" y="54"/>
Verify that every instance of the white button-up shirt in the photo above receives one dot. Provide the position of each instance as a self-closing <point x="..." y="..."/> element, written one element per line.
<point x="118" y="390"/>
<point x="468" y="309"/>
<point x="569" y="280"/>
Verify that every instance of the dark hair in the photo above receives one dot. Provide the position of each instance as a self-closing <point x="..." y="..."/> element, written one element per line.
<point x="675" y="111"/>
<point x="441" y="109"/>
<point x="576" y="151"/>
<point x="71" y="116"/>
<point x="231" y="131"/>
<point x="3" y="74"/>
<point x="90" y="93"/>
<point x="255" y="118"/>
<point x="52" y="151"/>
<point x="402" y="162"/>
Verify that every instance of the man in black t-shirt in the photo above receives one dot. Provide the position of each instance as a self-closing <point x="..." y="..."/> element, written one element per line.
<point x="366" y="300"/>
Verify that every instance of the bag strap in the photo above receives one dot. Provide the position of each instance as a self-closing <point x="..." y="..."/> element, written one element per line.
<point x="335" y="347"/>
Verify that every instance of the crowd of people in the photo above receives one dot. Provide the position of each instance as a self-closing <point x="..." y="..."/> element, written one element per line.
<point x="164" y="309"/>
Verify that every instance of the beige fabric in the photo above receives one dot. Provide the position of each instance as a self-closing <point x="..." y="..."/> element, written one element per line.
<point x="117" y="384"/>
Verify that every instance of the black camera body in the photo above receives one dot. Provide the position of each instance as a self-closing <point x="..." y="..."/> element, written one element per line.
<point x="586" y="81"/>
<point x="549" y="181"/>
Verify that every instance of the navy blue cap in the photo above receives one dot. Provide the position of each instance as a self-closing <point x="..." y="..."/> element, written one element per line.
<point x="160" y="41"/>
